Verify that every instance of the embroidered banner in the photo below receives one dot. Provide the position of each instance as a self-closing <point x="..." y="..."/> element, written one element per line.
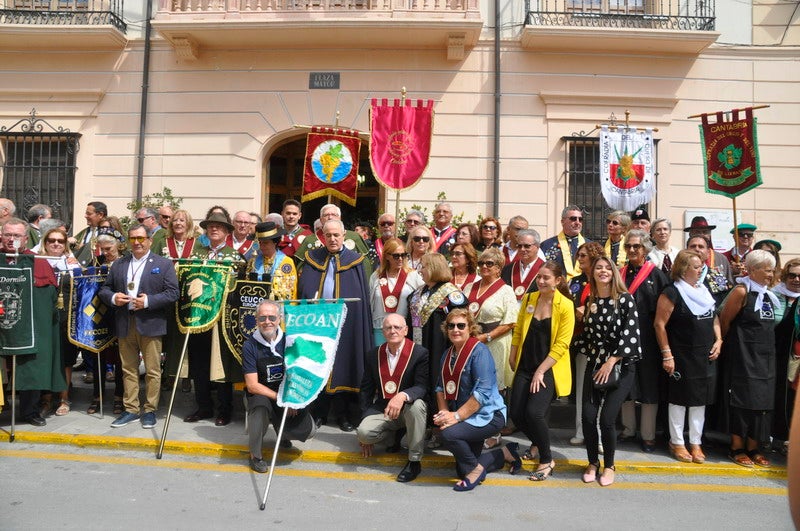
<point x="400" y="141"/>
<point x="730" y="154"/>
<point x="90" y="323"/>
<point x="239" y="313"/>
<point x="17" y="334"/>
<point x="203" y="288"/>
<point x="627" y="167"/>
<point x="312" y="337"/>
<point x="331" y="164"/>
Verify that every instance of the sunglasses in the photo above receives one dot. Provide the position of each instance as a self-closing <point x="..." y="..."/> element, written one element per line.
<point x="265" y="318"/>
<point x="425" y="239"/>
<point x="793" y="276"/>
<point x="613" y="222"/>
<point x="399" y="256"/>
<point x="489" y="227"/>
<point x="745" y="234"/>
<point x="412" y="222"/>
<point x="141" y="220"/>
<point x="166" y="217"/>
<point x="575" y="218"/>
<point x="460" y="326"/>
<point x="53" y="240"/>
<point x="633" y="246"/>
<point x="137" y="239"/>
<point x="387" y="223"/>
<point x="487" y="263"/>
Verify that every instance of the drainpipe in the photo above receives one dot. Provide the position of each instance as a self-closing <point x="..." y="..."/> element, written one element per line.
<point x="496" y="162"/>
<point x="143" y="111"/>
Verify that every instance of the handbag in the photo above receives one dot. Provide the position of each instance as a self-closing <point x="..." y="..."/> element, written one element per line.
<point x="613" y="378"/>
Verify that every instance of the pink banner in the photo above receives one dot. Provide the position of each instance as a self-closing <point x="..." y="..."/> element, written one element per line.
<point x="400" y="141"/>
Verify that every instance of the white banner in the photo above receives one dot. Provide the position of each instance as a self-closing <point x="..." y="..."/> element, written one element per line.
<point x="627" y="167"/>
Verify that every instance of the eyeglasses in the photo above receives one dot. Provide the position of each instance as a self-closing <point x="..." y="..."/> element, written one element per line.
<point x="457" y="253"/>
<point x="489" y="227"/>
<point x="487" y="263"/>
<point x="137" y="239"/>
<point x="460" y="326"/>
<point x="389" y="328"/>
<point x="54" y="240"/>
<point x="524" y="245"/>
<point x="575" y="218"/>
<point x="399" y="256"/>
<point x="386" y="223"/>
<point x="745" y="234"/>
<point x="141" y="220"/>
<point x="413" y="222"/>
<point x="613" y="222"/>
<point x="793" y="276"/>
<point x="166" y="217"/>
<point x="265" y="318"/>
<point x="675" y="376"/>
<point x="418" y="239"/>
<point x="633" y="246"/>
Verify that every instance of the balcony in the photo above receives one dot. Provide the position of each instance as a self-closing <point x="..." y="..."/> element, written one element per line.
<point x="62" y="24"/>
<point x="632" y="26"/>
<point x="194" y="25"/>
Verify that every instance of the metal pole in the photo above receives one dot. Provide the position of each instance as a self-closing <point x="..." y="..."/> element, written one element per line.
<point x="274" y="458"/>
<point x="143" y="110"/>
<point x="100" y="385"/>
<point x="496" y="161"/>
<point x="13" y="397"/>
<point x="172" y="398"/>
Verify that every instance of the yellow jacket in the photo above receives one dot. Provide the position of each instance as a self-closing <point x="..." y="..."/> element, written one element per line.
<point x="562" y="325"/>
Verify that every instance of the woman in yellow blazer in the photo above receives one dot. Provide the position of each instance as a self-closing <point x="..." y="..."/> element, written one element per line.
<point x="540" y="357"/>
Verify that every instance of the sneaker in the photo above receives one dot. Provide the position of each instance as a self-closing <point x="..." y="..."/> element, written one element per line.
<point x="124" y="419"/>
<point x="258" y="465"/>
<point x="576" y="441"/>
<point x="148" y="420"/>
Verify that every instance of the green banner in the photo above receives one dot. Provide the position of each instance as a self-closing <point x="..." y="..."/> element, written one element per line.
<point x="203" y="288"/>
<point x="17" y="333"/>
<point x="312" y="337"/>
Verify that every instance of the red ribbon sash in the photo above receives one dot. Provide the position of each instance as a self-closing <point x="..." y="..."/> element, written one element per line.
<point x="469" y="279"/>
<point x="390" y="382"/>
<point x="524" y="283"/>
<point x="173" y="249"/>
<point x="451" y="379"/>
<point x="585" y="293"/>
<point x="640" y="276"/>
<point x="443" y="237"/>
<point x="379" y="248"/>
<point x="398" y="287"/>
<point x="476" y="302"/>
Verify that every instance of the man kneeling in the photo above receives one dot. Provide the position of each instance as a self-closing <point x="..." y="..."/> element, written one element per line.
<point x="393" y="394"/>
<point x="263" y="367"/>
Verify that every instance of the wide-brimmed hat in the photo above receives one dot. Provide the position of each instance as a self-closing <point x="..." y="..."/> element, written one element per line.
<point x="699" y="223"/>
<point x="216" y="217"/>
<point x="269" y="230"/>
<point x="745" y="226"/>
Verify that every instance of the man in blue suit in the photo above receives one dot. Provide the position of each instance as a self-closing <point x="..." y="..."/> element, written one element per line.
<point x="141" y="287"/>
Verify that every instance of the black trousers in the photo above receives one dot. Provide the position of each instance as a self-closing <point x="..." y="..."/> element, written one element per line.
<point x="606" y="405"/>
<point x="529" y="411"/>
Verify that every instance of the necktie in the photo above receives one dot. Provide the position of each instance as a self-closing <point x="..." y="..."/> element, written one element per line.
<point x="329" y="283"/>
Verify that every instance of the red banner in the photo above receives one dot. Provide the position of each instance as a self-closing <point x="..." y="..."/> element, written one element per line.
<point x="730" y="154"/>
<point x="331" y="164"/>
<point x="400" y="141"/>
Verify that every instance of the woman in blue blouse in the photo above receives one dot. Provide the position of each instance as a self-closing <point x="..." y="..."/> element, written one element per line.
<point x="470" y="406"/>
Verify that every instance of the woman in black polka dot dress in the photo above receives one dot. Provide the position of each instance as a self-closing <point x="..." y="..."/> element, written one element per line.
<point x="610" y="337"/>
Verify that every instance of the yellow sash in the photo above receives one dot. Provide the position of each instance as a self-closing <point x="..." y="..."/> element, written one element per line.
<point x="622" y="256"/>
<point x="571" y="268"/>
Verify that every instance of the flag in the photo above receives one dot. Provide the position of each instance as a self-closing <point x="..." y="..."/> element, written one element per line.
<point x="203" y="288"/>
<point x="331" y="164"/>
<point x="90" y="323"/>
<point x="312" y="337"/>
<point x="17" y="331"/>
<point x="730" y="154"/>
<point x="400" y="142"/>
<point x="627" y="167"/>
<point x="239" y="313"/>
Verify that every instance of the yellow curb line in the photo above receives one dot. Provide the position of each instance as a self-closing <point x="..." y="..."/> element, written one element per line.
<point x="354" y="458"/>
<point x="493" y="480"/>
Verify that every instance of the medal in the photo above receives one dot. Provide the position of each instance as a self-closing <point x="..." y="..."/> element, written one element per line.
<point x="530" y="308"/>
<point x="131" y="285"/>
<point x="350" y="244"/>
<point x="383" y="282"/>
<point x="390" y="387"/>
<point x="474" y="307"/>
<point x="390" y="301"/>
<point x="519" y="290"/>
<point x="450" y="387"/>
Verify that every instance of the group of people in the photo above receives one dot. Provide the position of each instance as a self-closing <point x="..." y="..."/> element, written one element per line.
<point x="455" y="335"/>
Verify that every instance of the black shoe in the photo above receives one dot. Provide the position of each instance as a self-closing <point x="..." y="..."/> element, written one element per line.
<point x="198" y="415"/>
<point x="222" y="420"/>
<point x="648" y="447"/>
<point x="321" y="421"/>
<point x="35" y="419"/>
<point x="258" y="465"/>
<point x="286" y="444"/>
<point x="409" y="472"/>
<point x="345" y="425"/>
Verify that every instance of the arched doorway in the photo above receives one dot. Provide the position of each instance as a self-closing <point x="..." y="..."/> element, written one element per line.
<point x="283" y="179"/>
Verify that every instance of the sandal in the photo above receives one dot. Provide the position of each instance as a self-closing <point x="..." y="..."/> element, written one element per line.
<point x="543" y="472"/>
<point x="590" y="473"/>
<point x="740" y="457"/>
<point x="680" y="453"/>
<point x="94" y="407"/>
<point x="758" y="458"/>
<point x="531" y="453"/>
<point x="63" y="408"/>
<point x="516" y="464"/>
<point x="119" y="408"/>
<point x="604" y="481"/>
<point x="492" y="442"/>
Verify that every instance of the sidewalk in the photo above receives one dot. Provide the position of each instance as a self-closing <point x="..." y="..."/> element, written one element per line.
<point x="330" y="445"/>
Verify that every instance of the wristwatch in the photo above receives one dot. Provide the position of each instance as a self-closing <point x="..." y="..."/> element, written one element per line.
<point x="457" y="416"/>
<point x="488" y="338"/>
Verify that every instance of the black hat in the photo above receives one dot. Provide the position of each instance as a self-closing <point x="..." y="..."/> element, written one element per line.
<point x="640" y="213"/>
<point x="268" y="230"/>
<point x="216" y="217"/>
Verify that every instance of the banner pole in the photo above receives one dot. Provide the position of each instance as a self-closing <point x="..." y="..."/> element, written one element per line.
<point x="13" y="397"/>
<point x="100" y="385"/>
<point x="735" y="252"/>
<point x="274" y="458"/>
<point x="172" y="398"/>
<point x="396" y="211"/>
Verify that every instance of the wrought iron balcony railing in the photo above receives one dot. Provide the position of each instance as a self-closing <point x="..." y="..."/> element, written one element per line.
<point x="63" y="13"/>
<point x="318" y="6"/>
<point x="687" y="15"/>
